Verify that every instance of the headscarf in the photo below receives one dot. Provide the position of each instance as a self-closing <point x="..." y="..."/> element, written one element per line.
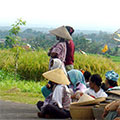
<point x="70" y="29"/>
<point x="57" y="63"/>
<point x="76" y="76"/>
<point x="111" y="75"/>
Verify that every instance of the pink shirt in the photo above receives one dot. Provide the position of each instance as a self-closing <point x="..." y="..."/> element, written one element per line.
<point x="60" y="49"/>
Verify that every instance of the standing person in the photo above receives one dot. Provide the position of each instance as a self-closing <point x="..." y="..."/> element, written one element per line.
<point x="69" y="61"/>
<point x="59" y="49"/>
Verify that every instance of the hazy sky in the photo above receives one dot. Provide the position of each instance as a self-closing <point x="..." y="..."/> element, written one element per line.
<point x="81" y="14"/>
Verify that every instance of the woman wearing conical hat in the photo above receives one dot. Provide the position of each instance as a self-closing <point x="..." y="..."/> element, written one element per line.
<point x="55" y="63"/>
<point x="59" y="50"/>
<point x="56" y="105"/>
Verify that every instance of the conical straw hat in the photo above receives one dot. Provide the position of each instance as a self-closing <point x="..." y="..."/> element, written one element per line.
<point x="85" y="98"/>
<point x="57" y="76"/>
<point x="88" y="100"/>
<point x="61" y="32"/>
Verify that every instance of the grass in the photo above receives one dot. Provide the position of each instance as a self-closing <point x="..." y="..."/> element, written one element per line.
<point x="115" y="58"/>
<point x="19" y="90"/>
<point x="31" y="64"/>
<point x="21" y="97"/>
<point x="96" y="64"/>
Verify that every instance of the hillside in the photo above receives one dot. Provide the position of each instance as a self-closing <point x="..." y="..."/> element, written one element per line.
<point x="86" y="40"/>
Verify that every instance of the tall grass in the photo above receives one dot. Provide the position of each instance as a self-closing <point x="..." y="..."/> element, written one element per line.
<point x="31" y="64"/>
<point x="96" y="64"/>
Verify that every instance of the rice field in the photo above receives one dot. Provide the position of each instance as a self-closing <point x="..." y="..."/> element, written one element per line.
<point x="31" y="65"/>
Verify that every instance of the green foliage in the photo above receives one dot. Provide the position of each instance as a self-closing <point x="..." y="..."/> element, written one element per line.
<point x="88" y="42"/>
<point x="12" y="39"/>
<point x="16" y="27"/>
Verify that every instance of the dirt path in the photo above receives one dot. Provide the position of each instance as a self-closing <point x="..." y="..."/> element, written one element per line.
<point x="17" y="111"/>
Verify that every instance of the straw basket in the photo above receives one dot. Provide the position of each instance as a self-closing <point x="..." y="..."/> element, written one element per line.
<point x="98" y="111"/>
<point x="81" y="112"/>
<point x="114" y="94"/>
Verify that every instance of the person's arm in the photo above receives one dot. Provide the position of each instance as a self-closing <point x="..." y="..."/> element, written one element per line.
<point x="77" y="95"/>
<point x="118" y="110"/>
<point x="60" y="51"/>
<point x="111" y="107"/>
<point x="117" y="118"/>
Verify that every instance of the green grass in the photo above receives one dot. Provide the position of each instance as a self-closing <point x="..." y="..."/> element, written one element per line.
<point x="21" y="97"/>
<point x="115" y="58"/>
<point x="19" y="90"/>
<point x="31" y="64"/>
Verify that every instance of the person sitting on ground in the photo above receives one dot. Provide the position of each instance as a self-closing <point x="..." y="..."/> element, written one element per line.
<point x="55" y="63"/>
<point x="69" y="61"/>
<point x="56" y="105"/>
<point x="112" y="111"/>
<point x="80" y="88"/>
<point x="75" y="76"/>
<point x="87" y="76"/>
<point x="77" y="82"/>
<point x="111" y="80"/>
<point x="95" y="89"/>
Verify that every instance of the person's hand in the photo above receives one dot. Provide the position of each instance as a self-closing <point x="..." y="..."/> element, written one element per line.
<point x="118" y="110"/>
<point x="53" y="55"/>
<point x="106" y="109"/>
<point x="104" y="113"/>
<point x="48" y="53"/>
<point x="112" y="106"/>
<point x="73" y="96"/>
<point x="78" y="94"/>
<point x="118" y="118"/>
<point x="48" y="86"/>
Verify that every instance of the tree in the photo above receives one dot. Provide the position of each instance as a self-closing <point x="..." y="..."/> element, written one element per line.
<point x="13" y="39"/>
